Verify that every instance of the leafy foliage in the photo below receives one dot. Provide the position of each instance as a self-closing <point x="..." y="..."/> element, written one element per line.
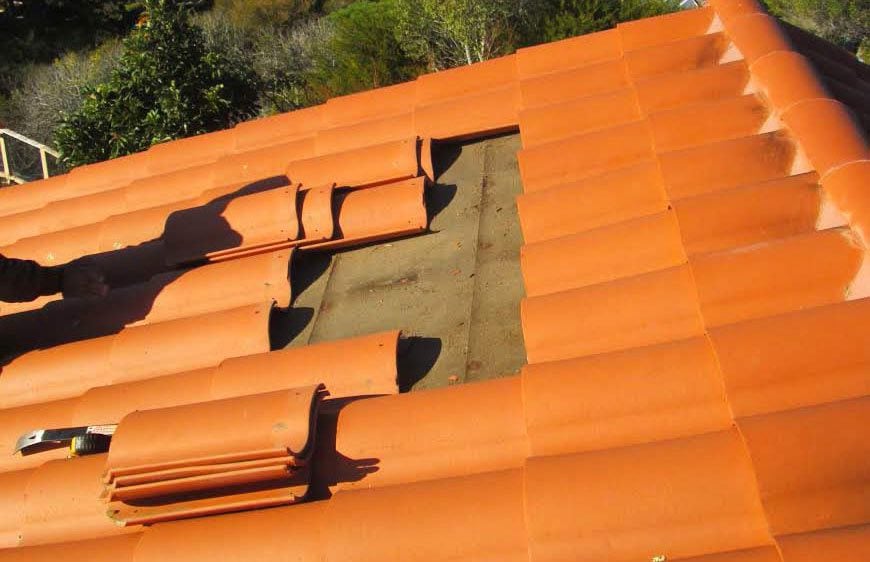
<point x="251" y="14"/>
<point x="360" y="51"/>
<point x="167" y="85"/>
<point x="48" y="91"/>
<point x="560" y="19"/>
<point x="447" y="33"/>
<point x="844" y="22"/>
<point x="37" y="31"/>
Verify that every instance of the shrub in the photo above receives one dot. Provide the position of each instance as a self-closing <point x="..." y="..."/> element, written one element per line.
<point x="447" y="33"/>
<point x="360" y="51"/>
<point x="167" y="85"/>
<point x="844" y="22"/>
<point x="567" y="18"/>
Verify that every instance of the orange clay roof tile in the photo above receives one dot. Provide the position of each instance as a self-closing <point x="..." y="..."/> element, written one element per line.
<point x="665" y="29"/>
<point x="587" y="155"/>
<point x="837" y="545"/>
<point x="799" y="453"/>
<point x="115" y="549"/>
<point x="464" y="81"/>
<point x="693" y="86"/>
<point x="572" y="405"/>
<point x="757" y="35"/>
<point x="249" y="441"/>
<point x="574" y="52"/>
<point x="365" y="133"/>
<point x="369" y="105"/>
<point x="557" y="121"/>
<point x="751" y="282"/>
<point x="207" y="232"/>
<point x="695" y="221"/>
<point x="573" y="84"/>
<point x="493" y="111"/>
<point x="192" y="151"/>
<point x="630" y="312"/>
<point x="787" y="78"/>
<point x="680" y="56"/>
<point x="133" y="354"/>
<point x="827" y="133"/>
<point x="707" y="168"/>
<point x="278" y="129"/>
<point x="612" y="252"/>
<point x="607" y="199"/>
<point x="795" y="360"/>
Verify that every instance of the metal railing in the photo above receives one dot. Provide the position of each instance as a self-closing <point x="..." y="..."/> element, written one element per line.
<point x="44" y="152"/>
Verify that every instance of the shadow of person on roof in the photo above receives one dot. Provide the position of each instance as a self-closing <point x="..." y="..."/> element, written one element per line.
<point x="331" y="468"/>
<point x="136" y="276"/>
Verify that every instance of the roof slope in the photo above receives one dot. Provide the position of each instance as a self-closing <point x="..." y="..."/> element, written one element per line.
<point x="696" y="324"/>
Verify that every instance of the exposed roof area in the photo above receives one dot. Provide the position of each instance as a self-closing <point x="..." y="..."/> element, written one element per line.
<point x="683" y="333"/>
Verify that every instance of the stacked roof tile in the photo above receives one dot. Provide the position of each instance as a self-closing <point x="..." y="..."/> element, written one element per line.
<point x="695" y="321"/>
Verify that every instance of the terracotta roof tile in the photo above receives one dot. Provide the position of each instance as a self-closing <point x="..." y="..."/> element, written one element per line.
<point x="630" y="312"/>
<point x="278" y="129"/>
<point x="573" y="84"/>
<point x="695" y="267"/>
<point x="569" y="53"/>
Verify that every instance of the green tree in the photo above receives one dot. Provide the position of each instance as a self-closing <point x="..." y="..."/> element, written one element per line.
<point x="167" y="85"/>
<point x="38" y="31"/>
<point x="844" y="22"/>
<point x="359" y="51"/>
<point x="253" y="14"/>
<point x="559" y="19"/>
<point x="447" y="33"/>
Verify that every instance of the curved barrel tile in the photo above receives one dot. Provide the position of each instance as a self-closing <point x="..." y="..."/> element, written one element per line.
<point x="621" y="504"/>
<point x="644" y="310"/>
<point x="554" y="122"/>
<point x="572" y="84"/>
<point x="470" y="429"/>
<point x="776" y="277"/>
<point x="787" y="78"/>
<point x="191" y="151"/>
<point x="708" y="168"/>
<point x="277" y="129"/>
<point x="361" y="216"/>
<point x="349" y="367"/>
<point x="704" y="84"/>
<point x="811" y="465"/>
<point x="574" y="52"/>
<point x="371" y="165"/>
<point x="355" y="135"/>
<point x="757" y="35"/>
<point x="660" y="30"/>
<point x="605" y="254"/>
<point x="608" y="199"/>
<point x="582" y="156"/>
<point x="114" y="549"/>
<point x="221" y="229"/>
<point x="468" y="518"/>
<point x="847" y="187"/>
<point x="803" y="358"/>
<point x="750" y="215"/>
<point x="63" y="503"/>
<point x="579" y="405"/>
<point x="827" y="133"/>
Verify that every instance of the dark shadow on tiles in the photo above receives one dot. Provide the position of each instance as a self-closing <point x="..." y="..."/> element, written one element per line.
<point x="306" y="268"/>
<point x="438" y="197"/>
<point x="416" y="357"/>
<point x="284" y="325"/>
